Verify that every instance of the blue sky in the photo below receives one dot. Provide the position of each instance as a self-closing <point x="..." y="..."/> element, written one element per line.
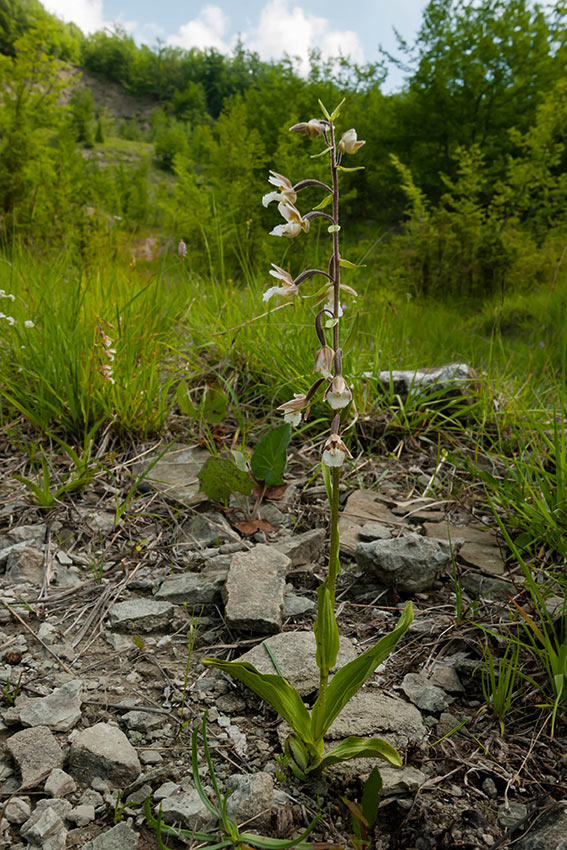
<point x="270" y="27"/>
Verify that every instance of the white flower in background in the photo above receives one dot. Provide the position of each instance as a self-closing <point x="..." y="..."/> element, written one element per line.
<point x="182" y="249"/>
<point x="335" y="451"/>
<point x="29" y="324"/>
<point x="7" y="295"/>
<point x="292" y="408"/>
<point x="108" y="353"/>
<point x="324" y="362"/>
<point x="338" y="394"/>
<point x="9" y="319"/>
<point x="288" y="289"/>
<point x="286" y="194"/>
<point x="349" y="143"/>
<point x="295" y="223"/>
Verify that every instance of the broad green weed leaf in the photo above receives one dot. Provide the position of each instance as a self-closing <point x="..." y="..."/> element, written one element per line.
<point x="220" y="477"/>
<point x="326" y="632"/>
<point x="214" y="406"/>
<point x="275" y="690"/>
<point x="239" y="459"/>
<point x="348" y="680"/>
<point x="355" y="747"/>
<point x="184" y="401"/>
<point x="269" y="458"/>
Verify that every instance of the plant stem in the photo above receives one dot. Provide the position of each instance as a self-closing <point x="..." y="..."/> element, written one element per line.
<point x="334" y="566"/>
<point x="336" y="255"/>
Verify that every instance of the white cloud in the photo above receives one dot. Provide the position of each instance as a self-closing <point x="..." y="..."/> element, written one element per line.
<point x="87" y="14"/>
<point x="208" y="29"/>
<point x="296" y="32"/>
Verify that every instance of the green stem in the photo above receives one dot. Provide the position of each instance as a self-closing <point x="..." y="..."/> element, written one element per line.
<point x="334" y="566"/>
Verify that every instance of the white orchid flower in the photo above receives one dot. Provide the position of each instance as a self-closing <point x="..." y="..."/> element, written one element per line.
<point x="288" y="289"/>
<point x="338" y="394"/>
<point x="335" y="451"/>
<point x="293" y="408"/>
<point x="349" y="142"/>
<point x="286" y="194"/>
<point x="295" y="223"/>
<point x="311" y="128"/>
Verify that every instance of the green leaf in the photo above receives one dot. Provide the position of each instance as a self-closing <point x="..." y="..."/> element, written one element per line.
<point x="214" y="406"/>
<point x="342" y="168"/>
<point x="371" y="796"/>
<point x="184" y="402"/>
<point x="275" y="690"/>
<point x="356" y="748"/>
<point x="328" y="199"/>
<point x="323" y="109"/>
<point x="326" y="472"/>
<point x="326" y="632"/>
<point x="239" y="459"/>
<point x="350" y="678"/>
<point x="333" y="228"/>
<point x="220" y="477"/>
<point x="346" y="264"/>
<point x="269" y="458"/>
<point x="337" y="111"/>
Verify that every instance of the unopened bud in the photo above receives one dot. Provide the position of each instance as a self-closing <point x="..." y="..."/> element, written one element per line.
<point x="324" y="362"/>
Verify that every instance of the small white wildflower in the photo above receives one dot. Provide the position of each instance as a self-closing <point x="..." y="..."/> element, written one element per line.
<point x="335" y="451"/>
<point x="9" y="295"/>
<point x="29" y="324"/>
<point x="338" y="394"/>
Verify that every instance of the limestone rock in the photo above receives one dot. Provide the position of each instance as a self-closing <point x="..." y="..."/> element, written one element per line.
<point x="452" y="377"/>
<point x="60" y="711"/>
<point x="186" y="809"/>
<point x="104" y="750"/>
<point x="59" y="784"/>
<point x="175" y="473"/>
<point x="302" y="548"/>
<point x="36" y="752"/>
<point x="252" y="798"/>
<point x="120" y="837"/>
<point x="549" y="832"/>
<point x="404" y="780"/>
<point x="372" y="714"/>
<point x="17" y="810"/>
<point x="295" y="655"/>
<point x="254" y="590"/>
<point x="141" y="616"/>
<point x="410" y="563"/>
<point x="45" y="829"/>
<point x="195" y="589"/>
<point x="424" y="693"/>
<point x="363" y="506"/>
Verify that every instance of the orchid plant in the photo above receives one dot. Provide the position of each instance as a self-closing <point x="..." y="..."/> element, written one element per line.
<point x="305" y="744"/>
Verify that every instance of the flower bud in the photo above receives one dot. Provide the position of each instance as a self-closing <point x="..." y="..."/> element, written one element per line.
<point x="349" y="143"/>
<point x="311" y="128"/>
<point x="324" y="362"/>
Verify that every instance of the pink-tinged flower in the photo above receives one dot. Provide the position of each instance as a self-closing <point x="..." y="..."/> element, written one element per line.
<point x="324" y="362"/>
<point x="182" y="248"/>
<point x="312" y="128"/>
<point x="286" y="194"/>
<point x="288" y="289"/>
<point x="338" y="394"/>
<point x="295" y="223"/>
<point x="292" y="408"/>
<point x="335" y="451"/>
<point x="349" y="143"/>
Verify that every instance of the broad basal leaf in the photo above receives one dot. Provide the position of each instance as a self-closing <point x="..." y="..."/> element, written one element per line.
<point x="356" y="748"/>
<point x="326" y="632"/>
<point x="348" y="680"/>
<point x="275" y="690"/>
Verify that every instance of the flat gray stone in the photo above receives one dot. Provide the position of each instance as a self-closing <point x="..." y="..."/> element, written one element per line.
<point x="194" y="588"/>
<point x="36" y="752"/>
<point x="204" y="530"/>
<point x="398" y="781"/>
<point x="303" y="548"/>
<point x="45" y="829"/>
<point x="175" y="474"/>
<point x="104" y="750"/>
<point x="469" y="533"/>
<point x="410" y="563"/>
<point x="374" y="531"/>
<point x="186" y="809"/>
<point x="479" y="586"/>
<point x="59" y="711"/>
<point x="25" y="563"/>
<point x="372" y="714"/>
<point x="32" y="535"/>
<point x="17" y="810"/>
<point x="549" y="833"/>
<point x="295" y="655"/>
<point x="82" y="815"/>
<point x="59" y="784"/>
<point x="363" y="506"/>
<point x="254" y="590"/>
<point x="252" y="799"/>
<point x="120" y="837"/>
<point x="296" y="606"/>
<point x="486" y="558"/>
<point x="141" y="615"/>
<point x="425" y="694"/>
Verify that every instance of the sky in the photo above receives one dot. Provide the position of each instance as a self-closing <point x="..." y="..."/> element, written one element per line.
<point x="269" y="27"/>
